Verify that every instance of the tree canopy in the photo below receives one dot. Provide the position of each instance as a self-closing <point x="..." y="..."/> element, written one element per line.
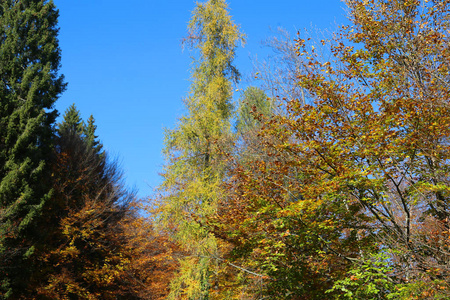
<point x="328" y="179"/>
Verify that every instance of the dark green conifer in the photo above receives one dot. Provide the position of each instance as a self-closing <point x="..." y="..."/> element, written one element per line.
<point x="91" y="138"/>
<point x="29" y="86"/>
<point x="72" y="121"/>
<point x="73" y="124"/>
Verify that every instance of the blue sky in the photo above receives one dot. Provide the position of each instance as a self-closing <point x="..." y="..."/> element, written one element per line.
<point x="124" y="64"/>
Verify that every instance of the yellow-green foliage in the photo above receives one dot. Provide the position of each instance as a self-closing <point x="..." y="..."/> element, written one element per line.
<point x="196" y="147"/>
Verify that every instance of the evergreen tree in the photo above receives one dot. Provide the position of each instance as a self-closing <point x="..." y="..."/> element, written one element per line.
<point x="72" y="121"/>
<point x="29" y="86"/>
<point x="194" y="149"/>
<point x="91" y="138"/>
<point x="253" y="102"/>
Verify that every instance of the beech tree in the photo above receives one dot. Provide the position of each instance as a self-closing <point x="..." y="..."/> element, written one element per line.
<point x="153" y="257"/>
<point x="83" y="253"/>
<point x="195" y="148"/>
<point x="97" y="246"/>
<point x="354" y="200"/>
<point x="29" y="87"/>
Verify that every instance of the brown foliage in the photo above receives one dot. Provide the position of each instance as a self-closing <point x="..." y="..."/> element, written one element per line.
<point x="357" y="167"/>
<point x="98" y="246"/>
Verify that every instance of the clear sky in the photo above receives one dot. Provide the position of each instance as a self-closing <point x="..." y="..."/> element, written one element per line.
<point x="124" y="64"/>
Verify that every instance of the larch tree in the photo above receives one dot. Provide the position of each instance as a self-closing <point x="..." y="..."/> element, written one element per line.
<point x="29" y="86"/>
<point x="196" y="147"/>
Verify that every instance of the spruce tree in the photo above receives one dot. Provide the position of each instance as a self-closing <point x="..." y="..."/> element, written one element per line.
<point x="194" y="149"/>
<point x="91" y="138"/>
<point x="252" y="103"/>
<point x="29" y="86"/>
<point x="72" y="121"/>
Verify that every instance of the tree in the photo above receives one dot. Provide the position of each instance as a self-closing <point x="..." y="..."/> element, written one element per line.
<point x="153" y="259"/>
<point x="354" y="199"/>
<point x="293" y="238"/>
<point x="252" y="104"/>
<point x="96" y="243"/>
<point x="278" y="72"/>
<point x="86" y="253"/>
<point x="402" y="74"/>
<point x="72" y="122"/>
<point x="195" y="148"/>
<point x="29" y="86"/>
<point x="91" y="138"/>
